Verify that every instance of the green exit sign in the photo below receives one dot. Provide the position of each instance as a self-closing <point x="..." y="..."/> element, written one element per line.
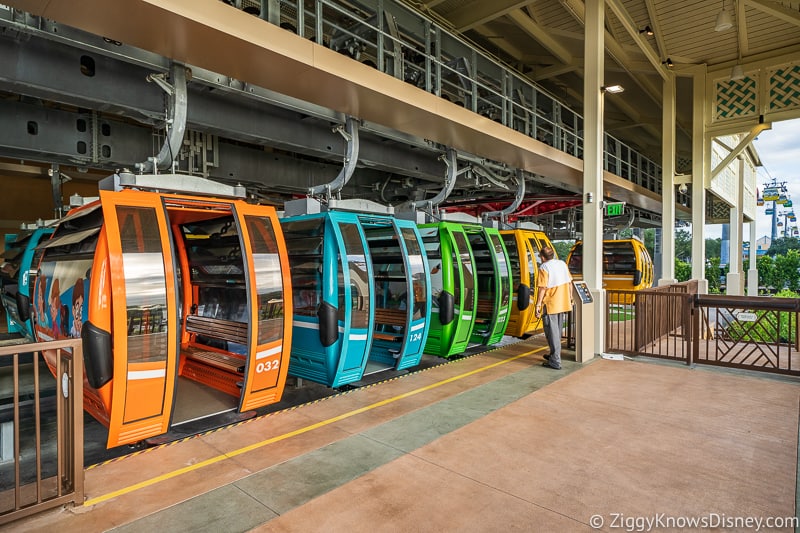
<point x="615" y="209"/>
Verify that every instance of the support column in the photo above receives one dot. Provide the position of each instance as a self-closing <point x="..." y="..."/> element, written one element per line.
<point x="658" y="258"/>
<point x="699" y="149"/>
<point x="752" y="272"/>
<point x="734" y="281"/>
<point x="594" y="48"/>
<point x="725" y="243"/>
<point x="668" y="183"/>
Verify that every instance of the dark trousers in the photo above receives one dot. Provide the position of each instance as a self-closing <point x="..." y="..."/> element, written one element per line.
<point x="553" y="325"/>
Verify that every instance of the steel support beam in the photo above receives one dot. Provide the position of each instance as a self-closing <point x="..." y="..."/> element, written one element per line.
<point x="48" y="70"/>
<point x="57" y="139"/>
<point x="219" y="38"/>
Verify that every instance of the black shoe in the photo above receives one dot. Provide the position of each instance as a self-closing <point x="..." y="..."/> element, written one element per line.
<point x="547" y="365"/>
<point x="546" y="357"/>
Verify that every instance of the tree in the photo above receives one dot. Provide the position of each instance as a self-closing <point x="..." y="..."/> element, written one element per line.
<point x="683" y="270"/>
<point x="713" y="274"/>
<point x="683" y="245"/>
<point x="562" y="248"/>
<point x="783" y="245"/>
<point x="713" y="248"/>
<point x="766" y="271"/>
<point x="786" y="270"/>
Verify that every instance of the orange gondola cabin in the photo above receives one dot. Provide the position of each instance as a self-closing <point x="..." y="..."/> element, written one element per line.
<point x="183" y="302"/>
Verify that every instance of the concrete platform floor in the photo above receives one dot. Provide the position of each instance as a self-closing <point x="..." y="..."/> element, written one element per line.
<point x="494" y="442"/>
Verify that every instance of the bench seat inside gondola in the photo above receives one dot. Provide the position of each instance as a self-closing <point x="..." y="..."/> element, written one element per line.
<point x="209" y="346"/>
<point x="485" y="311"/>
<point x="388" y="320"/>
<point x="484" y="316"/>
<point x="485" y="306"/>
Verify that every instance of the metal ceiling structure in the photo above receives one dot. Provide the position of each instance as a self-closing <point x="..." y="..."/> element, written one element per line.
<point x="262" y="100"/>
<point x="544" y="40"/>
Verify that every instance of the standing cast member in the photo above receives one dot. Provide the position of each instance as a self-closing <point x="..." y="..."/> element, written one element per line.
<point x="555" y="299"/>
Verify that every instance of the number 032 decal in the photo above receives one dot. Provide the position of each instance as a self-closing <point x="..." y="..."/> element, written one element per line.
<point x="268" y="366"/>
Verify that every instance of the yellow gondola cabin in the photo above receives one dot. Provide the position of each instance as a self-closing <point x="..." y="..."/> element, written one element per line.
<point x="626" y="265"/>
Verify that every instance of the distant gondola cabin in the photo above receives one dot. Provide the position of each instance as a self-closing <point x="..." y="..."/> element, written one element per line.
<point x="627" y="266"/>
<point x="17" y="279"/>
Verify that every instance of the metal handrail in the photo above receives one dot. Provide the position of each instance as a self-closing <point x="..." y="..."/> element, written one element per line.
<point x="638" y="168"/>
<point x="67" y="486"/>
<point x="759" y="303"/>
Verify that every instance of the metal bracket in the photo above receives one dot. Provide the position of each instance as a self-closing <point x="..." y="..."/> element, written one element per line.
<point x="493" y="178"/>
<point x="350" y="134"/>
<point x="503" y="215"/>
<point x="175" y="123"/>
<point x="450" y="159"/>
<point x="175" y="183"/>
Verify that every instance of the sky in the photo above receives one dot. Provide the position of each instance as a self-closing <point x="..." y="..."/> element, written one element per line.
<point x="779" y="150"/>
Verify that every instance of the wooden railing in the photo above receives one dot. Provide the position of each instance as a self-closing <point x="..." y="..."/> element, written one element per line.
<point x="654" y="322"/>
<point x="666" y="313"/>
<point x="751" y="332"/>
<point x="674" y="322"/>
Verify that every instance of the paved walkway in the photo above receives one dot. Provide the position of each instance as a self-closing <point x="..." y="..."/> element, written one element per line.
<point x="493" y="442"/>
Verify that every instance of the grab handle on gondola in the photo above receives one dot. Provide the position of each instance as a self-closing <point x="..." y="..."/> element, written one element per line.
<point x="523" y="297"/>
<point x="97" y="356"/>
<point x="446" y="307"/>
<point x="328" y="324"/>
<point x="23" y="306"/>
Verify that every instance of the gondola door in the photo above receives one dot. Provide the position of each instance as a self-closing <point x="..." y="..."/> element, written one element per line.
<point x="533" y="247"/>
<point x="467" y="297"/>
<point x="502" y="278"/>
<point x="419" y="300"/>
<point x="144" y="316"/>
<point x="270" y="302"/>
<point x="356" y="300"/>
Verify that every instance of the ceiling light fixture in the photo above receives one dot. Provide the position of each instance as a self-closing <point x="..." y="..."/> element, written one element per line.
<point x="668" y="62"/>
<point x="724" y="19"/>
<point x="612" y="89"/>
<point x="647" y="29"/>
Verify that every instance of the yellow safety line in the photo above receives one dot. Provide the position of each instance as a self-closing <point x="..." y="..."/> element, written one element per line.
<point x="255" y="446"/>
<point x="411" y="372"/>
